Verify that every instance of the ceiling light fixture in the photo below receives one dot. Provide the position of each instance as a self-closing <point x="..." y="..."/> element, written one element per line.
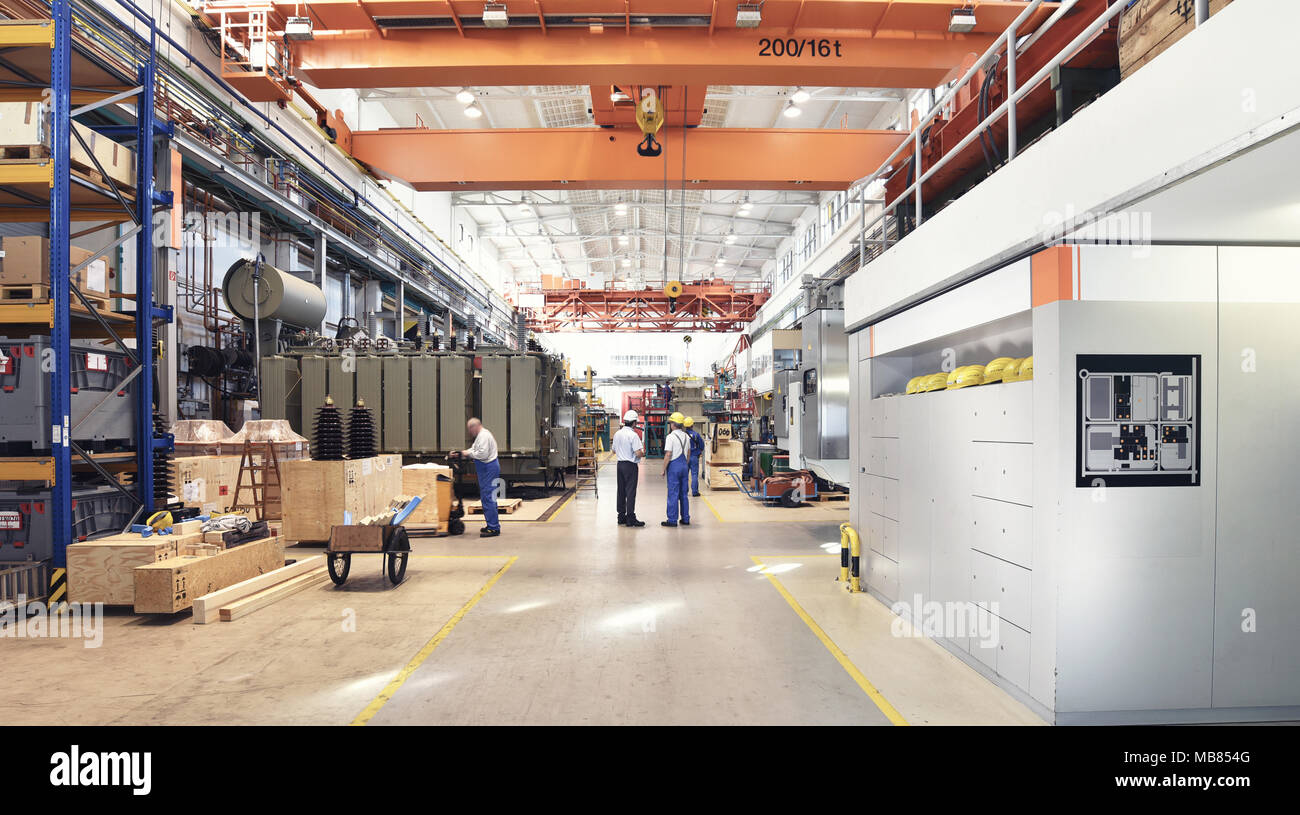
<point x="620" y="208"/>
<point x="495" y="16"/>
<point x="464" y="96"/>
<point x="731" y="237"/>
<point x="800" y="96"/>
<point x="962" y="20"/>
<point x="791" y="111"/>
<point x="745" y="205"/>
<point x="617" y="95"/>
<point x="622" y="240"/>
<point x="473" y="111"/>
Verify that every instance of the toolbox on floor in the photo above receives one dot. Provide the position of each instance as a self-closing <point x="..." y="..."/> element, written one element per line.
<point x="26" y="519"/>
<point x="95" y="375"/>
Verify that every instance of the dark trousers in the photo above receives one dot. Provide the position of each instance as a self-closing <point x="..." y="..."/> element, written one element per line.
<point x="628" y="472"/>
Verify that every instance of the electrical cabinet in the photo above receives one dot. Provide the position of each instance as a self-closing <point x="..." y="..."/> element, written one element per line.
<point x="824" y="415"/>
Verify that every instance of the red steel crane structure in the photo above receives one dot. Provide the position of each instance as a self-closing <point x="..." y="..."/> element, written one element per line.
<point x="704" y="306"/>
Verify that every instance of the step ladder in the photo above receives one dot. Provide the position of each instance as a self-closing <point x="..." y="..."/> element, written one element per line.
<point x="261" y="479"/>
<point x="587" y="451"/>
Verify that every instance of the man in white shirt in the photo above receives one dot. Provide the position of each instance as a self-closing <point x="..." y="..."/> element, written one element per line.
<point x="677" y="453"/>
<point x="628" y="450"/>
<point x="484" y="454"/>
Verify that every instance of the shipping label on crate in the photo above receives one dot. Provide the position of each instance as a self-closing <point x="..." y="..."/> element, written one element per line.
<point x="11" y="520"/>
<point x="96" y="362"/>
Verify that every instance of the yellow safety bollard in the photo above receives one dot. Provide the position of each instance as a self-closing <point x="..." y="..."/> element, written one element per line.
<point x="850" y="558"/>
<point x="844" y="554"/>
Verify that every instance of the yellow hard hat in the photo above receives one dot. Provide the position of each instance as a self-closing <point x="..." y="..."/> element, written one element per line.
<point x="997" y="369"/>
<point x="1027" y="368"/>
<point x="676" y="418"/>
<point x="688" y="421"/>
<point x="933" y="382"/>
<point x="914" y="384"/>
<point x="1012" y="372"/>
<point x="965" y="376"/>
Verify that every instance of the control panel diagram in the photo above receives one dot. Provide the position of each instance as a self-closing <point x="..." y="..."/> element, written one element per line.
<point x="1138" y="420"/>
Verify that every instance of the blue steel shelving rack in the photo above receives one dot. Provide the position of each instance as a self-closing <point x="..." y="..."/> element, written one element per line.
<point x="58" y="171"/>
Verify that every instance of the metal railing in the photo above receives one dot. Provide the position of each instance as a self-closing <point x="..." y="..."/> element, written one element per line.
<point x="874" y="236"/>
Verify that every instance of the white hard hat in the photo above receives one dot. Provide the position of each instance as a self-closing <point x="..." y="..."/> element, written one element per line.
<point x="630" y="416"/>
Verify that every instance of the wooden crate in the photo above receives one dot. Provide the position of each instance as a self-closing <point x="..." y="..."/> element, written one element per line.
<point x="317" y="493"/>
<point x="730" y="453"/>
<point x="716" y="477"/>
<point x="173" y="585"/>
<point x="1149" y="27"/>
<point x="25" y="125"/>
<point x="433" y="485"/>
<point x="101" y="570"/>
<point x="206" y="482"/>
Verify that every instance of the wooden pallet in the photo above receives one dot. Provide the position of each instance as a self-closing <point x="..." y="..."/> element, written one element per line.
<point x="832" y="496"/>
<point x="28" y="293"/>
<point x="508" y="506"/>
<point x="27" y="152"/>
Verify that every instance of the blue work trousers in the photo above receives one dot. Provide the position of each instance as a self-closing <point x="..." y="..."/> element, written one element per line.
<point x="489" y="473"/>
<point x="679" y="493"/>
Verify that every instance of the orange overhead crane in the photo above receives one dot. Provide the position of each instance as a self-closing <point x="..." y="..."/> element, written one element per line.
<point x="594" y="158"/>
<point x="412" y="43"/>
<point x="704" y="306"/>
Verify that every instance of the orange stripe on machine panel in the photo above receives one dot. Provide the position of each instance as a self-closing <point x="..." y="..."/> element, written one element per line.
<point x="597" y="158"/>
<point x="1052" y="275"/>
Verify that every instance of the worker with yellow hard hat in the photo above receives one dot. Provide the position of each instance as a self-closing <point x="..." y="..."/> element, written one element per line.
<point x="697" y="453"/>
<point x="677" y="456"/>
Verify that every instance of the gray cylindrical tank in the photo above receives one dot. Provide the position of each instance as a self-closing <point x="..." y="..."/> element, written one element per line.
<point x="280" y="295"/>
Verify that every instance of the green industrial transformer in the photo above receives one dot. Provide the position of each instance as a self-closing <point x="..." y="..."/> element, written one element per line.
<point x="421" y="400"/>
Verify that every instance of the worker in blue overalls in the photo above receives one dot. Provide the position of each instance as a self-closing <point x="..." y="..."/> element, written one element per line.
<point x="484" y="453"/>
<point x="697" y="452"/>
<point x="677" y="456"/>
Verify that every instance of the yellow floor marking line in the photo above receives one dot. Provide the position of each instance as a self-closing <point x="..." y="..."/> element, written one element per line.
<point x="567" y="501"/>
<point x="713" y="509"/>
<point x="880" y="701"/>
<point x="404" y="674"/>
<point x="796" y="557"/>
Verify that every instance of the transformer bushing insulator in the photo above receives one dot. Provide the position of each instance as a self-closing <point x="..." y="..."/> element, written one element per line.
<point x="162" y="467"/>
<point x="361" y="431"/>
<point x="327" y="433"/>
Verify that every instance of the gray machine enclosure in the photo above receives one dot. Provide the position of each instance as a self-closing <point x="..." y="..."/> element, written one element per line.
<point x="824" y="417"/>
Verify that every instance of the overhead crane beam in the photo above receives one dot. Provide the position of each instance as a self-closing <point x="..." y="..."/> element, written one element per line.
<point x="597" y="158"/>
<point x="679" y="57"/>
<point x="701" y="307"/>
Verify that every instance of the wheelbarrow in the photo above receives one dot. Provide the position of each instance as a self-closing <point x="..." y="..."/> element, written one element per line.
<point x="389" y="540"/>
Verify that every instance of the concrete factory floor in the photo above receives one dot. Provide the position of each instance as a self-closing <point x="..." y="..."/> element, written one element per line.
<point x="573" y="620"/>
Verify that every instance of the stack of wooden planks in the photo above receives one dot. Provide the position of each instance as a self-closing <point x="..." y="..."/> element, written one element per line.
<point x="242" y="599"/>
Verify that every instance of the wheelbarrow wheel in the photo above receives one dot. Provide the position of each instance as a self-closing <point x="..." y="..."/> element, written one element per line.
<point x="338" y="563"/>
<point x="399" y="551"/>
